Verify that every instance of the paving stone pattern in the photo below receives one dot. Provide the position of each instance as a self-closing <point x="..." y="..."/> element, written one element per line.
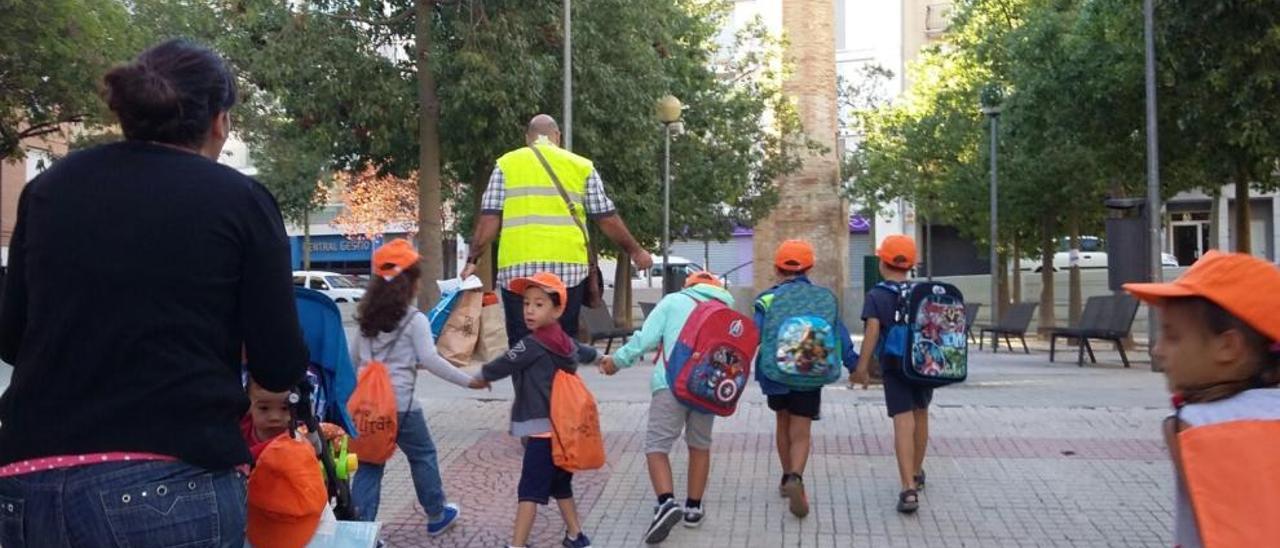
<point x="998" y="476"/>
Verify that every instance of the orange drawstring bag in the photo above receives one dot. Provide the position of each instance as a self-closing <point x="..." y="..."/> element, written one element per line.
<point x="576" y="441"/>
<point x="373" y="410"/>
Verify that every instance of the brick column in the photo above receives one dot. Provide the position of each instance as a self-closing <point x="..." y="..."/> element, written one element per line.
<point x="810" y="205"/>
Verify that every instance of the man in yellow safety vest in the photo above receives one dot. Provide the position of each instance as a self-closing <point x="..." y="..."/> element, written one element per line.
<point x="540" y="232"/>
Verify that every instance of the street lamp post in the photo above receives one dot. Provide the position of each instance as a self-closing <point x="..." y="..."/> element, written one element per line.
<point x="993" y="112"/>
<point x="568" y="77"/>
<point x="1153" y="170"/>
<point x="669" y="114"/>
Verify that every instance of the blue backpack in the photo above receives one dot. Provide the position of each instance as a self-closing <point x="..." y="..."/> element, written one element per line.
<point x="799" y="343"/>
<point x="927" y="339"/>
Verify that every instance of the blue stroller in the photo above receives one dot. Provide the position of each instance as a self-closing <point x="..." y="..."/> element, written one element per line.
<point x="323" y="394"/>
<point x="322" y="397"/>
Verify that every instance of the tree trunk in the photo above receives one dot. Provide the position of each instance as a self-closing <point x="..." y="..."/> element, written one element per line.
<point x="306" y="240"/>
<point x="1073" y="291"/>
<point x="622" y="293"/>
<point x="1016" y="271"/>
<point x="1215" y="225"/>
<point x="1048" y="302"/>
<point x="871" y="231"/>
<point x="1244" y="240"/>
<point x="1003" y="280"/>
<point x="928" y="246"/>
<point x="430" y="233"/>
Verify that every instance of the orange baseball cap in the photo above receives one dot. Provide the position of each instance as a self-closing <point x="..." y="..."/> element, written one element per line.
<point x="394" y="257"/>
<point x="794" y="256"/>
<point x="286" y="495"/>
<point x="702" y="277"/>
<point x="547" y="281"/>
<point x="1245" y="286"/>
<point x="898" y="251"/>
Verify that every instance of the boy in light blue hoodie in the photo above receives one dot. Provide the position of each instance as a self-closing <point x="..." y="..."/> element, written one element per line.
<point x="667" y="416"/>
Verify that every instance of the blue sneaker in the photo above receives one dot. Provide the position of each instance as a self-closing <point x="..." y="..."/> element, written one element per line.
<point x="581" y="542"/>
<point x="447" y="520"/>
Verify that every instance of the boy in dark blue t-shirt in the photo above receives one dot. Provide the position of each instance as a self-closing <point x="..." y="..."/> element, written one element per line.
<point x="908" y="404"/>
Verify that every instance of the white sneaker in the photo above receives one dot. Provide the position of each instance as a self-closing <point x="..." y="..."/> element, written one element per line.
<point x="693" y="517"/>
<point x="665" y="517"/>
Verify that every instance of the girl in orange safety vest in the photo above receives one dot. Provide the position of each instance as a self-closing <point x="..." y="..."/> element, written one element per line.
<point x="1220" y="323"/>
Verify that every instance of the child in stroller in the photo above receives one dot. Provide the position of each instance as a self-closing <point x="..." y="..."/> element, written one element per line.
<point x="300" y="475"/>
<point x="318" y="405"/>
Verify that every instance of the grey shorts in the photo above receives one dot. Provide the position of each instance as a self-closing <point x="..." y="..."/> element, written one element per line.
<point x="668" y="417"/>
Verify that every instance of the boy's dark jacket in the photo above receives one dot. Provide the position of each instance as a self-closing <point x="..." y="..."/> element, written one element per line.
<point x="532" y="365"/>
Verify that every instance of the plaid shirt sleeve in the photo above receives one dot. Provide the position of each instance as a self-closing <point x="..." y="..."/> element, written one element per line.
<point x="598" y="203"/>
<point x="494" y="194"/>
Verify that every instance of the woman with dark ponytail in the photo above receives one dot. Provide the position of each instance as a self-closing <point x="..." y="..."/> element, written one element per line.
<point x="1220" y="349"/>
<point x="138" y="270"/>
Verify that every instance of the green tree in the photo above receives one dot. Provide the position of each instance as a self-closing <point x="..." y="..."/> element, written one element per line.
<point x="1071" y="109"/>
<point x="53" y="54"/>
<point x="1219" y="110"/>
<point x="347" y="73"/>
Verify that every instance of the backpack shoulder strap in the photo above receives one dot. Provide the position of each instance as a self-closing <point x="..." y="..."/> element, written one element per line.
<point x="386" y="352"/>
<point x="891" y="287"/>
<point x="903" y="292"/>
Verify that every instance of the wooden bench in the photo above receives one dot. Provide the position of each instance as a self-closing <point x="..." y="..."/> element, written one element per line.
<point x="1015" y="322"/>
<point x="1104" y="318"/>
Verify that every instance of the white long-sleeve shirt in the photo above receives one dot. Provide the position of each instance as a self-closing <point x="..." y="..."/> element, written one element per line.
<point x="416" y="348"/>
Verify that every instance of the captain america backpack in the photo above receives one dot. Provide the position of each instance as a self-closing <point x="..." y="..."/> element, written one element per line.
<point x="799" y="343"/>
<point x="711" y="361"/>
<point x="927" y="339"/>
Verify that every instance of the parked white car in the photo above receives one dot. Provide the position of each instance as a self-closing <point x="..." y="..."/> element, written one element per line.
<point x="651" y="277"/>
<point x="339" y="287"/>
<point x="1092" y="254"/>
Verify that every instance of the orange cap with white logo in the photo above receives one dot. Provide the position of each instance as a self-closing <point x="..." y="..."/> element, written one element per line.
<point x="702" y="277"/>
<point x="794" y="256"/>
<point x="1245" y="286"/>
<point x="546" y="281"/>
<point x="898" y="251"/>
<point x="394" y="257"/>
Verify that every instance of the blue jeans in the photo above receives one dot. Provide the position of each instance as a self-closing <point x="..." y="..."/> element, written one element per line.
<point x="123" y="504"/>
<point x="415" y="440"/>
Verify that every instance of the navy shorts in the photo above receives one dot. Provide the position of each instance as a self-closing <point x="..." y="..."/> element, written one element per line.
<point x="540" y="478"/>
<point x="801" y="404"/>
<point x="900" y="395"/>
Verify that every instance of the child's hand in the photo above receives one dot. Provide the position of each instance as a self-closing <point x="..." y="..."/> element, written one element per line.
<point x="331" y="431"/>
<point x="860" y="376"/>
<point x="478" y="383"/>
<point x="607" y="366"/>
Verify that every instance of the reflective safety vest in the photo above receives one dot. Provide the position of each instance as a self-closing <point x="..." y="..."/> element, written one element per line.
<point x="1232" y="474"/>
<point x="536" y="224"/>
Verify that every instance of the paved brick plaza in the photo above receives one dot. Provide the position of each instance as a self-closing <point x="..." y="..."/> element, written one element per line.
<point x="1025" y="454"/>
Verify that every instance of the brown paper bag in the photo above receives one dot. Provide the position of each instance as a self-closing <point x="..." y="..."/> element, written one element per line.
<point x="493" y="333"/>
<point x="462" y="330"/>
